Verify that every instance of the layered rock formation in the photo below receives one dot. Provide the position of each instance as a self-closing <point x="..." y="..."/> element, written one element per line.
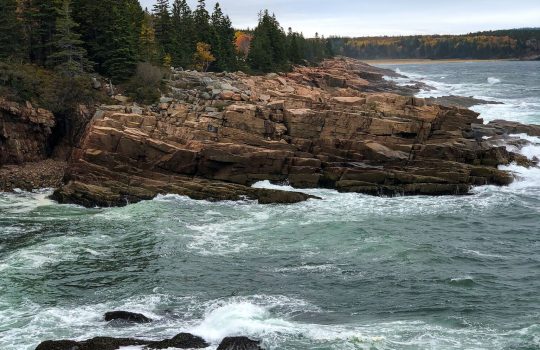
<point x="24" y="133"/>
<point x="217" y="134"/>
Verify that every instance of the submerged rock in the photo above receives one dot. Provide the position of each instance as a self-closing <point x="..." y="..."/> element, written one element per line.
<point x="180" y="341"/>
<point x="459" y="101"/>
<point x="509" y="127"/>
<point x="239" y="343"/>
<point x="126" y="316"/>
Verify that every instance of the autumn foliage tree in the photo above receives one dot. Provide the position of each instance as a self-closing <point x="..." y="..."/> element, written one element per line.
<point x="203" y="56"/>
<point x="498" y="44"/>
<point x="242" y="42"/>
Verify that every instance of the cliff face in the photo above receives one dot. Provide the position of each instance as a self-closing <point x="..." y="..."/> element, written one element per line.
<point x="24" y="133"/>
<point x="315" y="127"/>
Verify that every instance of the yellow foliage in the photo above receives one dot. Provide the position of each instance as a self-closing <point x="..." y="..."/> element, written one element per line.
<point x="167" y="61"/>
<point x="203" y="56"/>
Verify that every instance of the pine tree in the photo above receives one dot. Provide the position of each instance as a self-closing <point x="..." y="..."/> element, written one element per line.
<point x="68" y="57"/>
<point x="223" y="40"/>
<point x="39" y="18"/>
<point x="260" y="51"/>
<point x="111" y="31"/>
<point x="183" y="37"/>
<point x="329" y="49"/>
<point x="294" y="52"/>
<point x="268" y="51"/>
<point x="201" y="23"/>
<point x="10" y="30"/>
<point x="147" y="40"/>
<point x="121" y="58"/>
<point x="279" y="43"/>
<point x="162" y="26"/>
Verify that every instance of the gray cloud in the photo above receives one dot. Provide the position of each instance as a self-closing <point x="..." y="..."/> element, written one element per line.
<point x="384" y="17"/>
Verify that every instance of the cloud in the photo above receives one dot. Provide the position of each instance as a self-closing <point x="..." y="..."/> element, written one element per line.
<point x="384" y="17"/>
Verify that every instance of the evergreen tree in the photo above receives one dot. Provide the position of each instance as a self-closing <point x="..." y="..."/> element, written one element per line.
<point x="329" y="49"/>
<point x="120" y="59"/>
<point x="162" y="26"/>
<point x="111" y="31"/>
<point x="68" y="57"/>
<point x="147" y="40"/>
<point x="39" y="17"/>
<point x="223" y="40"/>
<point x="294" y="52"/>
<point x="183" y="37"/>
<point x="10" y="30"/>
<point x="201" y="23"/>
<point x="268" y="51"/>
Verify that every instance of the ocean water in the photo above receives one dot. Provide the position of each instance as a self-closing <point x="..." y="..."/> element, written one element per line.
<point x="516" y="84"/>
<point x="349" y="271"/>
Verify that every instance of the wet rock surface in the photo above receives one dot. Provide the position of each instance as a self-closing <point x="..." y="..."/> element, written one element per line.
<point x="459" y="101"/>
<point x="126" y="316"/>
<point x="239" y="343"/>
<point x="502" y="127"/>
<point x="180" y="341"/>
<point x="217" y="134"/>
<point x="48" y="173"/>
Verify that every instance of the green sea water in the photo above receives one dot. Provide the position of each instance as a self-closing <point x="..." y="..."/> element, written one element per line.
<point x="349" y="271"/>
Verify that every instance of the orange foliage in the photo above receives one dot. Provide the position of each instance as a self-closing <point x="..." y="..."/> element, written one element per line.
<point x="242" y="41"/>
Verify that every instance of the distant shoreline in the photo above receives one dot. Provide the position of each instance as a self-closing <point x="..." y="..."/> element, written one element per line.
<point x="428" y="61"/>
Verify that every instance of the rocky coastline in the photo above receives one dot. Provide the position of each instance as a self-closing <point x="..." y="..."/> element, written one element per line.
<point x="340" y="125"/>
<point x="179" y="341"/>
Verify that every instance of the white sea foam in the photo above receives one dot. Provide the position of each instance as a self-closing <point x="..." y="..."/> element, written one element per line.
<point x="279" y="331"/>
<point x="20" y="202"/>
<point x="493" y="80"/>
<point x="482" y="255"/>
<point x="317" y="268"/>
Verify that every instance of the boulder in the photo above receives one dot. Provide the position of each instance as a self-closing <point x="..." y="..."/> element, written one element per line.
<point x="126" y="316"/>
<point x="180" y="341"/>
<point x="239" y="343"/>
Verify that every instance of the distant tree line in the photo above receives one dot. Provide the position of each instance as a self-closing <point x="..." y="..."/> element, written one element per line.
<point x="515" y="43"/>
<point x="111" y="37"/>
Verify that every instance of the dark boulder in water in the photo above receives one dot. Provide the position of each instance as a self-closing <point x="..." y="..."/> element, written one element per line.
<point x="180" y="341"/>
<point x="59" y="345"/>
<point x="98" y="343"/>
<point x="239" y="343"/>
<point x="126" y="316"/>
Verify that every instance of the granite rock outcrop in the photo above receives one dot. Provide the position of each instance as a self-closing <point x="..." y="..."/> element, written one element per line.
<point x="332" y="126"/>
<point x="24" y="133"/>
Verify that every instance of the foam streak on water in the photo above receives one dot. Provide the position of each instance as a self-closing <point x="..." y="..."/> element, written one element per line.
<point x="348" y="271"/>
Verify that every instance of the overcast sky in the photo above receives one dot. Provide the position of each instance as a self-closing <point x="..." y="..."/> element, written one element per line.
<point x="384" y="17"/>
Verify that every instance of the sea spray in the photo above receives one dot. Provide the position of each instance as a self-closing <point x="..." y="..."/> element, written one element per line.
<point x="349" y="271"/>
